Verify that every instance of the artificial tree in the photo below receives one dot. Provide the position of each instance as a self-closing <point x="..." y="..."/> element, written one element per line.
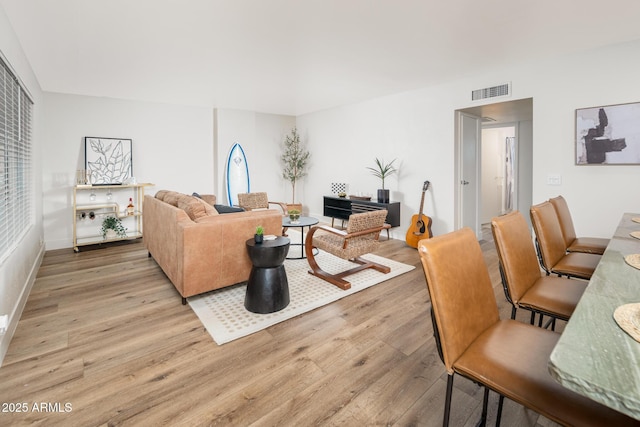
<point x="294" y="159"/>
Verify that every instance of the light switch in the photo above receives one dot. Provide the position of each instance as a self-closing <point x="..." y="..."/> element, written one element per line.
<point x="554" y="179"/>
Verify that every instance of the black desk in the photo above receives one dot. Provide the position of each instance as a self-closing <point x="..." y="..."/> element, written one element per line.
<point x="268" y="287"/>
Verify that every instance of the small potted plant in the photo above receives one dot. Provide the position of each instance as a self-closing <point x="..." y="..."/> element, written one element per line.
<point x="294" y="215"/>
<point x="383" y="170"/>
<point x="112" y="227"/>
<point x="259" y="236"/>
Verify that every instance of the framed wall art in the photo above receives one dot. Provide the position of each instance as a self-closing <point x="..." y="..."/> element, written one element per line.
<point x="608" y="135"/>
<point x="108" y="160"/>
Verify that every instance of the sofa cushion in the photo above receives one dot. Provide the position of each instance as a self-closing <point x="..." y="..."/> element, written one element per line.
<point x="195" y="207"/>
<point x="160" y="195"/>
<point x="172" y="198"/>
<point x="209" y="198"/>
<point x="223" y="209"/>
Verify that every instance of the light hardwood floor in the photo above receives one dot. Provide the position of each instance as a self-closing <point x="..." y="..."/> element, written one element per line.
<point x="105" y="332"/>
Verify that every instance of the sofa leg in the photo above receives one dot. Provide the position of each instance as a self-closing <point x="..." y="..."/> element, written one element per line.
<point x="184" y="301"/>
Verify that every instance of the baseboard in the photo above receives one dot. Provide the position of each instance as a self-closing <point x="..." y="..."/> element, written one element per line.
<point x="15" y="315"/>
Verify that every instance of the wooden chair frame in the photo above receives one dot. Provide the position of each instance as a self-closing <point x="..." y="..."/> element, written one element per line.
<point x="338" y="279"/>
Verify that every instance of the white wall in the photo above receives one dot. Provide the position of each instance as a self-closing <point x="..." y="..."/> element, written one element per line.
<point x="417" y="127"/>
<point x="261" y="137"/>
<point x="17" y="272"/>
<point x="172" y="147"/>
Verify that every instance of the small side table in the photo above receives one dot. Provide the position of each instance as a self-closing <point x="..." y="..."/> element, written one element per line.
<point x="303" y="221"/>
<point x="268" y="287"/>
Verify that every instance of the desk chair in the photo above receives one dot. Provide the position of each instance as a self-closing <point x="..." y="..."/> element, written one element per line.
<point x="361" y="237"/>
<point x="506" y="356"/>
<point x="590" y="245"/>
<point x="524" y="285"/>
<point x="552" y="249"/>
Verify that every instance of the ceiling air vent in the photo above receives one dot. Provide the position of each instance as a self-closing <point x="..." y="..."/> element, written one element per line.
<point x="491" y="92"/>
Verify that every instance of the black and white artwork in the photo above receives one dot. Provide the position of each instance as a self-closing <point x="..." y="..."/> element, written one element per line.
<point x="108" y="160"/>
<point x="608" y="135"/>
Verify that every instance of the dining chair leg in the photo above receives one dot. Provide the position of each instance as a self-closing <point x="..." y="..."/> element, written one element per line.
<point x="485" y="402"/>
<point x="447" y="401"/>
<point x="540" y="320"/>
<point x="533" y="318"/>
<point x="499" y="414"/>
<point x="513" y="312"/>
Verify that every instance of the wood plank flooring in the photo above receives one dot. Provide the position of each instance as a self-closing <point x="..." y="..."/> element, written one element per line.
<point x="105" y="334"/>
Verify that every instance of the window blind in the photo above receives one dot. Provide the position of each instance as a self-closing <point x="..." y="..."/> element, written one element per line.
<point x="16" y="216"/>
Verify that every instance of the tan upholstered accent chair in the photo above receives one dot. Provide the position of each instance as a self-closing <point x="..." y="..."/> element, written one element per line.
<point x="552" y="249"/>
<point x="256" y="201"/>
<point x="590" y="245"/>
<point x="361" y="237"/>
<point x="506" y="356"/>
<point x="524" y="284"/>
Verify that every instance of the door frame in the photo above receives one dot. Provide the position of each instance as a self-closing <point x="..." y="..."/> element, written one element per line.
<point x="459" y="177"/>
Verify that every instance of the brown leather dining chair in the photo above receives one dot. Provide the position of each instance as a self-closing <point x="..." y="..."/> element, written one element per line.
<point x="506" y="356"/>
<point x="524" y="284"/>
<point x="590" y="245"/>
<point x="552" y="250"/>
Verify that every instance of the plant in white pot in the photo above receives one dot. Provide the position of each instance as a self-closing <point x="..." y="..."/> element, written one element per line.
<point x="383" y="170"/>
<point x="294" y="160"/>
<point x="112" y="227"/>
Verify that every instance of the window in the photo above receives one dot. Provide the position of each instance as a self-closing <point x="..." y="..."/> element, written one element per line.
<point x="15" y="161"/>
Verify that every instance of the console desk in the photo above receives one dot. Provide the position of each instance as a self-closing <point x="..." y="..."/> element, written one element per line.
<point x="342" y="207"/>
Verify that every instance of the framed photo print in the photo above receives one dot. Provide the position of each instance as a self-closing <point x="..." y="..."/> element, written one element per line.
<point x="108" y="160"/>
<point x="608" y="135"/>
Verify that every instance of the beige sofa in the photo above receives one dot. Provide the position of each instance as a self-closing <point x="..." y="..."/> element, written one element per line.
<point x="198" y="249"/>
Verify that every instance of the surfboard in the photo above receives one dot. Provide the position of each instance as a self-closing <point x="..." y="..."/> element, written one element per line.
<point x="237" y="174"/>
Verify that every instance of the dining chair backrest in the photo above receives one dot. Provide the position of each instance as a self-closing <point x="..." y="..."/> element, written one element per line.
<point x="516" y="253"/>
<point x="564" y="217"/>
<point x="462" y="297"/>
<point x="548" y="233"/>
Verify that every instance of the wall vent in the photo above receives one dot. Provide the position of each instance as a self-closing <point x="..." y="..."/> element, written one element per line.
<point x="491" y="92"/>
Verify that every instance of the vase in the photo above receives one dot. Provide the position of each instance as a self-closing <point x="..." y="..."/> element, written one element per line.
<point x="258" y="238"/>
<point x="294" y="218"/>
<point x="383" y="196"/>
<point x="111" y="234"/>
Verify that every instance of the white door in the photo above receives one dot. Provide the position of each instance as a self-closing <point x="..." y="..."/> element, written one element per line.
<point x="469" y="171"/>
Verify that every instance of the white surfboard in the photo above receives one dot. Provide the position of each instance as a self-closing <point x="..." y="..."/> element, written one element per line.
<point x="237" y="174"/>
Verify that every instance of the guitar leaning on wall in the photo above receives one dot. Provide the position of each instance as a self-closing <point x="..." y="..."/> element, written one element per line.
<point x="420" y="227"/>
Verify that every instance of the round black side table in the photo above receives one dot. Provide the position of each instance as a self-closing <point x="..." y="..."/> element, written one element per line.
<point x="268" y="287"/>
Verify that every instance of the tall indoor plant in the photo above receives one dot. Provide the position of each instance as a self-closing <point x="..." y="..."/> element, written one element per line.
<point x="294" y="159"/>
<point x="383" y="170"/>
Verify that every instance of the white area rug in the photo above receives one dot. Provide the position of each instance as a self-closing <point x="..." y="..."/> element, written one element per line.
<point x="223" y="314"/>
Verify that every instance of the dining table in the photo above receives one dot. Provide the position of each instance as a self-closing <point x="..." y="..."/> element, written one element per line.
<point x="594" y="356"/>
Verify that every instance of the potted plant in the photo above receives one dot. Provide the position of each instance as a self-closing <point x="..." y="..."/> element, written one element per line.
<point x="383" y="170"/>
<point x="259" y="235"/>
<point x="112" y="227"/>
<point x="294" y="215"/>
<point x="294" y="160"/>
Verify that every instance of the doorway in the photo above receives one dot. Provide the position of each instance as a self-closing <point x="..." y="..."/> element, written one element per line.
<point x="470" y="150"/>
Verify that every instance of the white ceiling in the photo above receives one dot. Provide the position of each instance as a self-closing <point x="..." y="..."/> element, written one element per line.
<point x="296" y="56"/>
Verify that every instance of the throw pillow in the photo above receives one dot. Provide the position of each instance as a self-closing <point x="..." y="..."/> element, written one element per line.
<point x="227" y="209"/>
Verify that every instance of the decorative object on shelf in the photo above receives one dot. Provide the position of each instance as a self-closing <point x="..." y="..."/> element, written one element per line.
<point x="294" y="159"/>
<point x="383" y="170"/>
<point x="339" y="188"/>
<point x="109" y="160"/>
<point x="112" y="227"/>
<point x="294" y="215"/>
<point x="358" y="197"/>
<point x="259" y="236"/>
<point x="342" y="194"/>
<point x="130" y="209"/>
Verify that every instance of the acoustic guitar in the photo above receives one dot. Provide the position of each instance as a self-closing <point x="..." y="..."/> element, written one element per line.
<point x="420" y="227"/>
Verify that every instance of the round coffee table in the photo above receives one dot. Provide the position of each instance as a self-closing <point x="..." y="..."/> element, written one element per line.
<point x="268" y="287"/>
<point x="304" y="221"/>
